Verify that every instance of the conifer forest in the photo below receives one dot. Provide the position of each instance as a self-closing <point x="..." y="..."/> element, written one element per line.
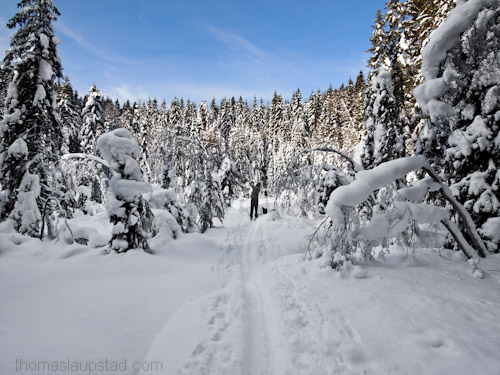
<point x="376" y="247"/>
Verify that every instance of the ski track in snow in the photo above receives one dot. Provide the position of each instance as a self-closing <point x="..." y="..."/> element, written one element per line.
<point x="264" y="350"/>
<point x="263" y="321"/>
<point x="238" y="340"/>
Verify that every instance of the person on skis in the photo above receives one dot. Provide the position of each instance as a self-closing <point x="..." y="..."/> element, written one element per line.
<point x="254" y="200"/>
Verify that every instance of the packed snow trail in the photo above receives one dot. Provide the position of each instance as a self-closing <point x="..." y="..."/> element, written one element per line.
<point x="257" y="353"/>
<point x="262" y="322"/>
<point x="265" y="354"/>
<point x="237" y="330"/>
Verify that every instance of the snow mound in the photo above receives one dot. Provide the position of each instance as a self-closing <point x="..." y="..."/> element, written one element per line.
<point x="18" y="148"/>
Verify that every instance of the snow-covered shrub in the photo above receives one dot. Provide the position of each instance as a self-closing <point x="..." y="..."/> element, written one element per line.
<point x="126" y="207"/>
<point x="165" y="224"/>
<point x="491" y="231"/>
<point x="26" y="213"/>
<point x="166" y="200"/>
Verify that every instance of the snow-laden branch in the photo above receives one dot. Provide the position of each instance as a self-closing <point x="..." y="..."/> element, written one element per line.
<point x="368" y="181"/>
<point x="356" y="166"/>
<point x="85" y="156"/>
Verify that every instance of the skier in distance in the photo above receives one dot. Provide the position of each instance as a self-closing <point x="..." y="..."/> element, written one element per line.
<point x="254" y="200"/>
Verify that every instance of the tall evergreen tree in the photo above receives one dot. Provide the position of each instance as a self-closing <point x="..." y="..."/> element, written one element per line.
<point x="378" y="38"/>
<point x="30" y="132"/>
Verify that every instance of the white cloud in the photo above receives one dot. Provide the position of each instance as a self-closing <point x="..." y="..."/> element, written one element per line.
<point x="91" y="48"/>
<point x="124" y="92"/>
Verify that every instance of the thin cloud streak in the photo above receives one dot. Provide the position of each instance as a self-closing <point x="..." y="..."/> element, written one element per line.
<point x="71" y="34"/>
<point x="235" y="41"/>
<point x="88" y="47"/>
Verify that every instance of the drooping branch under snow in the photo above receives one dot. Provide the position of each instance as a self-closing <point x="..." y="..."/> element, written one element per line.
<point x="356" y="166"/>
<point x="85" y="156"/>
<point x="368" y="181"/>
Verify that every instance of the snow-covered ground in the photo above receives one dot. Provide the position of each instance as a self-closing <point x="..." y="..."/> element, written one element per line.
<point x="238" y="300"/>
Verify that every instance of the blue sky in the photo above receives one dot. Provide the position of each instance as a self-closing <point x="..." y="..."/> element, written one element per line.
<point x="203" y="49"/>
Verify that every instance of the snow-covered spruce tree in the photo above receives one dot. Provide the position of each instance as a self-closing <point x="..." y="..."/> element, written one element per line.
<point x="30" y="132"/>
<point x="378" y="38"/>
<point x="276" y="132"/>
<point x="239" y="141"/>
<point x="203" y="193"/>
<point x="70" y="119"/>
<point x="147" y="120"/>
<point x="300" y="134"/>
<point x="126" y="115"/>
<point x="257" y="144"/>
<point x="312" y="113"/>
<point x="460" y="97"/>
<point x="111" y="114"/>
<point x="202" y="118"/>
<point x="92" y="128"/>
<point x="190" y="117"/>
<point x="212" y="203"/>
<point x="126" y="207"/>
<point x="225" y="122"/>
<point x="93" y="121"/>
<point x="384" y="138"/>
